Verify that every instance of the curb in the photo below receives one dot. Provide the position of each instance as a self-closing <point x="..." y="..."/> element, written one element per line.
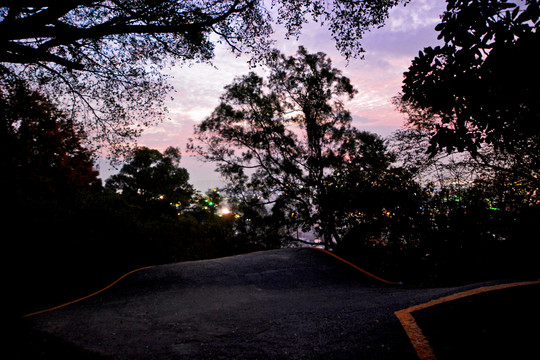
<point x="85" y="297"/>
<point x="358" y="268"/>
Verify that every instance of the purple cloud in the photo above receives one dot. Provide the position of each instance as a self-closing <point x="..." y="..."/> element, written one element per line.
<point x="389" y="51"/>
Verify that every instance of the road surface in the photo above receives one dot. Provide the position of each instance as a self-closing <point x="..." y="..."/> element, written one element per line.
<point x="280" y="304"/>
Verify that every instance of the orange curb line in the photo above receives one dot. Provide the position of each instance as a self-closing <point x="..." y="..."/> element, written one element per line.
<point x="147" y="267"/>
<point x="85" y="297"/>
<point x="417" y="338"/>
<point x="356" y="267"/>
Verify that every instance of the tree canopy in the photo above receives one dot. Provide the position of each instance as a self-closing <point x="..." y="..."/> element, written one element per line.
<point x="288" y="141"/>
<point x="152" y="175"/>
<point x="104" y="59"/>
<point x="480" y="88"/>
<point x="42" y="155"/>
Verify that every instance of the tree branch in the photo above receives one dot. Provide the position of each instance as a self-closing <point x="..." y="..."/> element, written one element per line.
<point x="44" y="26"/>
<point x="23" y="54"/>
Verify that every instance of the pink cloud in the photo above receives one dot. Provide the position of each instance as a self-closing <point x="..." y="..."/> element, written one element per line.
<point x="378" y="78"/>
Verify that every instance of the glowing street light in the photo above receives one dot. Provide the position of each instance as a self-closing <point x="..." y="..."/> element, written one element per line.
<point x="225" y="211"/>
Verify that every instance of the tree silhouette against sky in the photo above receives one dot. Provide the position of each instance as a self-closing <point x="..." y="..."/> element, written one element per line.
<point x="480" y="89"/>
<point x="104" y="60"/>
<point x="288" y="141"/>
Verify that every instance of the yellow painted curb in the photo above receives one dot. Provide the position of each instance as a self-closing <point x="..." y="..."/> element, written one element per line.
<point x="87" y="296"/>
<point x="417" y="338"/>
<point x="357" y="268"/>
<point x="147" y="267"/>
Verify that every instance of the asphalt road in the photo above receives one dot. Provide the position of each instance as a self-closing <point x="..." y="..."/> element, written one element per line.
<point x="282" y="304"/>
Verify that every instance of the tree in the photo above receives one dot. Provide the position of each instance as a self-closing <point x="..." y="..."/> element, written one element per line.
<point x="104" y="58"/>
<point x="470" y="222"/>
<point x="151" y="175"/>
<point x="42" y="155"/>
<point x="288" y="140"/>
<point x="46" y="176"/>
<point x="479" y="88"/>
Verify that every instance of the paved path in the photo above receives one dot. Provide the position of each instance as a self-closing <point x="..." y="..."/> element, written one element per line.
<point x="282" y="304"/>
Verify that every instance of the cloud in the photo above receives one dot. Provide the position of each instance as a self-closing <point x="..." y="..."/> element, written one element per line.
<point x="378" y="78"/>
<point x="417" y="15"/>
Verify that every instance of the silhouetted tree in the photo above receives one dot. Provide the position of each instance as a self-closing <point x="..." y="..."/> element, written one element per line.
<point x="154" y="176"/>
<point x="480" y="87"/>
<point x="257" y="226"/>
<point x="42" y="155"/>
<point x="468" y="222"/>
<point x="46" y="177"/>
<point x="105" y="57"/>
<point x="288" y="141"/>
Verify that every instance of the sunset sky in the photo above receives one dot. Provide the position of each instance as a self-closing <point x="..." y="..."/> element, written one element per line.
<point x="377" y="78"/>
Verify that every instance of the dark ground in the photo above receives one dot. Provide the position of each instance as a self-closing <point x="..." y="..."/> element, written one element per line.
<point x="289" y="303"/>
<point x="503" y="324"/>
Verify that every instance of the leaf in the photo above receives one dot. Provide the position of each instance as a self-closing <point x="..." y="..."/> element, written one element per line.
<point x="515" y="14"/>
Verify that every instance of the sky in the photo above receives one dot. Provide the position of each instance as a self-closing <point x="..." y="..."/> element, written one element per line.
<point x="378" y="77"/>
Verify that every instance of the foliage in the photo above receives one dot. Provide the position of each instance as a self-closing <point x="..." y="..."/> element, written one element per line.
<point x="259" y="227"/>
<point x="449" y="236"/>
<point x="105" y="58"/>
<point x="288" y="142"/>
<point x="442" y="169"/>
<point x="46" y="172"/>
<point x="151" y="175"/>
<point x="64" y="234"/>
<point x="41" y="148"/>
<point x="466" y="221"/>
<point x="479" y="88"/>
<point x="471" y="95"/>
